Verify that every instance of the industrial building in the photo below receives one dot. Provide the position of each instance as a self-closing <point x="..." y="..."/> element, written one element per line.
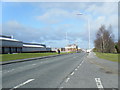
<point x="32" y="47"/>
<point x="9" y="45"/>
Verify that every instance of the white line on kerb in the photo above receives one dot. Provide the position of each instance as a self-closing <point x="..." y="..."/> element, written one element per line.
<point x="99" y="83"/>
<point x="22" y="84"/>
<point x="72" y="73"/>
<point x="67" y="79"/>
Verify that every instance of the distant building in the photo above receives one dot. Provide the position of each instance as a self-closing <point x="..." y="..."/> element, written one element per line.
<point x="33" y="47"/>
<point x="62" y="49"/>
<point x="9" y="45"/>
<point x="54" y="49"/>
<point x="71" y="48"/>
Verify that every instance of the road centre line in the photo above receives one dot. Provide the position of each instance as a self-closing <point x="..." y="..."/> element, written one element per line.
<point x="67" y="80"/>
<point x="33" y="64"/>
<point x="99" y="83"/>
<point x="22" y="84"/>
<point x="76" y="69"/>
<point x="72" y="73"/>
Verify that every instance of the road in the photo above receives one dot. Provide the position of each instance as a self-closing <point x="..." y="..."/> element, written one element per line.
<point x="80" y="70"/>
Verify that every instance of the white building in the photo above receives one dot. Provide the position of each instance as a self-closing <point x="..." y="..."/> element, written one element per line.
<point x="71" y="48"/>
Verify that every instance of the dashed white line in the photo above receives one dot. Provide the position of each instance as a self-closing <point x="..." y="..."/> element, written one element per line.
<point x="81" y="63"/>
<point x="22" y="84"/>
<point x="33" y="64"/>
<point x="60" y="88"/>
<point x="76" y="69"/>
<point x="99" y="83"/>
<point x="78" y="66"/>
<point x="67" y="80"/>
<point x="72" y="73"/>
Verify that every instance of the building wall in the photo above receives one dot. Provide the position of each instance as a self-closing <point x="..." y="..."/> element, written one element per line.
<point x="33" y="49"/>
<point x="9" y="46"/>
<point x="6" y="43"/>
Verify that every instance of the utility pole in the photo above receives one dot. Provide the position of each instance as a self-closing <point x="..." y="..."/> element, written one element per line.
<point x="88" y="30"/>
<point x="66" y="38"/>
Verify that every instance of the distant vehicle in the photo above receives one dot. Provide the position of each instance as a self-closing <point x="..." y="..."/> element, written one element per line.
<point x="88" y="51"/>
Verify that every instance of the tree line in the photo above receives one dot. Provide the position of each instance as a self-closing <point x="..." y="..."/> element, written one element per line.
<point x="104" y="41"/>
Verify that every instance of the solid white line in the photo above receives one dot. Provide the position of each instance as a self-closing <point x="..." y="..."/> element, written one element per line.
<point x="22" y="84"/>
<point x="33" y="64"/>
<point x="72" y="73"/>
<point x="99" y="83"/>
<point x="67" y="79"/>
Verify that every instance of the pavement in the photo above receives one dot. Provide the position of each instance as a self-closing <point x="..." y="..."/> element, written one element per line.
<point x="79" y="70"/>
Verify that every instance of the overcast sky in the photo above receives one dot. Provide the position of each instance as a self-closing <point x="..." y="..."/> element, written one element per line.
<point x="48" y="22"/>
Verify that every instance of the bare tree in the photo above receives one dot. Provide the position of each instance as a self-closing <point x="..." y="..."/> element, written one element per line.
<point x="117" y="46"/>
<point x="104" y="40"/>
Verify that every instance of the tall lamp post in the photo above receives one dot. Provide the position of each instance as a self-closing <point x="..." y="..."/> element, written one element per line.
<point x="88" y="30"/>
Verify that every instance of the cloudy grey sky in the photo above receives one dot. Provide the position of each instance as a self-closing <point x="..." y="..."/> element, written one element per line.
<point x="48" y="22"/>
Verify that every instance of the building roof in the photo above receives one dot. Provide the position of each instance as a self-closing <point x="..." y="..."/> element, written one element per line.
<point x="26" y="45"/>
<point x="9" y="39"/>
<point x="71" y="46"/>
<point x="5" y="36"/>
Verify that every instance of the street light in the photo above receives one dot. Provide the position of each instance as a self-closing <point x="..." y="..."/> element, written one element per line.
<point x="88" y="28"/>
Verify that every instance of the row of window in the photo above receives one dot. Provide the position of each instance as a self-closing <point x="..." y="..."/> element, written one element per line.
<point x="11" y="50"/>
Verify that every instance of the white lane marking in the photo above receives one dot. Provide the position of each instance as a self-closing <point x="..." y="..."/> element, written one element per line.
<point x="72" y="73"/>
<point x="60" y="88"/>
<point x="33" y="64"/>
<point x="99" y="83"/>
<point x="76" y="69"/>
<point x="81" y="63"/>
<point x="22" y="84"/>
<point x="78" y="66"/>
<point x="67" y="80"/>
<point x="11" y="70"/>
<point x="41" y="62"/>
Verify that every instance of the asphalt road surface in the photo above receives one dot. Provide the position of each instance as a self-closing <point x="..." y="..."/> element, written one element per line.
<point x="80" y="70"/>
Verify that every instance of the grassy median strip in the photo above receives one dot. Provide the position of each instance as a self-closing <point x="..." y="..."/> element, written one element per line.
<point x="108" y="56"/>
<point x="8" y="57"/>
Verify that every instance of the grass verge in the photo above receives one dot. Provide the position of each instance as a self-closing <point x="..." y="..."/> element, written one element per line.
<point x="8" y="57"/>
<point x="108" y="56"/>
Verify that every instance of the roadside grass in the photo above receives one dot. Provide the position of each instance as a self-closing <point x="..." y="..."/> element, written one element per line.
<point x="108" y="56"/>
<point x="8" y="57"/>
